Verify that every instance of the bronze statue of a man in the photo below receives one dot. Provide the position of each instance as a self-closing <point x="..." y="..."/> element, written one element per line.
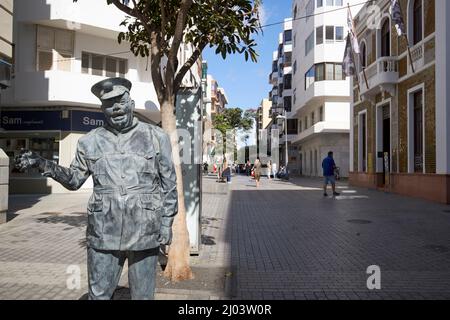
<point x="134" y="200"/>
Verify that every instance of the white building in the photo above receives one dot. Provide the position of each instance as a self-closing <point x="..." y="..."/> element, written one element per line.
<point x="281" y="94"/>
<point x="321" y="94"/>
<point x="215" y="101"/>
<point x="61" y="49"/>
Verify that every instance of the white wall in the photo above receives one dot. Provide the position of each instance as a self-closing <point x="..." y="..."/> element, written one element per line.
<point x="337" y="112"/>
<point x="442" y="87"/>
<point x="85" y="12"/>
<point x="54" y="87"/>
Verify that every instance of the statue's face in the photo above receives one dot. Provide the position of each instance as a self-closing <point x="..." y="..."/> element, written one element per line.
<point x="119" y="111"/>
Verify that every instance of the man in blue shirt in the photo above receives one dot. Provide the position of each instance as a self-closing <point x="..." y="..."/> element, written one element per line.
<point x="329" y="166"/>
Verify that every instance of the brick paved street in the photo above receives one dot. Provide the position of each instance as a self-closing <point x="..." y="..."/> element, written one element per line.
<point x="288" y="242"/>
<point x="283" y="241"/>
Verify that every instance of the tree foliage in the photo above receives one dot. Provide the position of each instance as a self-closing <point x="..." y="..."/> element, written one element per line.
<point x="233" y="119"/>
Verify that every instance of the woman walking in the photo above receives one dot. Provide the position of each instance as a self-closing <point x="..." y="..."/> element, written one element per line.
<point x="269" y="169"/>
<point x="257" y="170"/>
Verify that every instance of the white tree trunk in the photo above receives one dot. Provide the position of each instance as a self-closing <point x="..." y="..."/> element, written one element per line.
<point x="177" y="268"/>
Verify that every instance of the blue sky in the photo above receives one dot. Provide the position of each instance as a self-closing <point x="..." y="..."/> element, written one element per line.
<point x="246" y="82"/>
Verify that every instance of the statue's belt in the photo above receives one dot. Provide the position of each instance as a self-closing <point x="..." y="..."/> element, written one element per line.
<point x="124" y="190"/>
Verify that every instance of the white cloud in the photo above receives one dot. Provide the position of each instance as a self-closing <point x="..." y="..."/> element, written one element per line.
<point x="263" y="14"/>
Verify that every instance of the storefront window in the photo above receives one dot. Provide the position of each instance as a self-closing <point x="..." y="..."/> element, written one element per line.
<point x="46" y="145"/>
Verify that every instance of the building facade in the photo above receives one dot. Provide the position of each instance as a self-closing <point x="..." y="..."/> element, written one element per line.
<point x="281" y="78"/>
<point x="215" y="101"/>
<point x="321" y="93"/>
<point x="61" y="50"/>
<point x="400" y="116"/>
<point x="6" y="43"/>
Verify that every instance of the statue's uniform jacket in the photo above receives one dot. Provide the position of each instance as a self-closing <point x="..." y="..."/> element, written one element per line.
<point x="134" y="185"/>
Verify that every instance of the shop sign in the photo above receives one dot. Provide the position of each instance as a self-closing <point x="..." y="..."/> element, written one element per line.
<point x="33" y="120"/>
<point x="86" y="121"/>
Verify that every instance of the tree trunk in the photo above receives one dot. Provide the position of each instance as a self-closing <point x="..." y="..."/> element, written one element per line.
<point x="177" y="267"/>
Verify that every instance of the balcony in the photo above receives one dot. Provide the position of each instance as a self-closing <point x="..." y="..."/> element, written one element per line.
<point x="382" y="75"/>
<point x="273" y="78"/>
<point x="318" y="91"/>
<point x="422" y="53"/>
<point x="322" y="127"/>
<point x="51" y="88"/>
<point x="82" y="16"/>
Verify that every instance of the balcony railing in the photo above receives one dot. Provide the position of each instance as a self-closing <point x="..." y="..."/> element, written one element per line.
<point x="382" y="73"/>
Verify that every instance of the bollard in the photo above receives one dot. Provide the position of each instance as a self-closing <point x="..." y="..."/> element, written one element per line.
<point x="4" y="181"/>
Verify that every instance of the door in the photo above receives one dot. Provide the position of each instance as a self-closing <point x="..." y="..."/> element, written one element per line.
<point x="386" y="144"/>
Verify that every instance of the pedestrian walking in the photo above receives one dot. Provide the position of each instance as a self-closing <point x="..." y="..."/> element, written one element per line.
<point x="257" y="169"/>
<point x="226" y="172"/>
<point x="329" y="166"/>
<point x="274" y="170"/>
<point x="248" y="168"/>
<point x="269" y="169"/>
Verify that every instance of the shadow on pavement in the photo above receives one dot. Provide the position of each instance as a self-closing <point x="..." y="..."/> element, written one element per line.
<point x="73" y="219"/>
<point x="18" y="203"/>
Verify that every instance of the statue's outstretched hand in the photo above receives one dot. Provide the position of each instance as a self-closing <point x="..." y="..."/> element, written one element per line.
<point x="165" y="235"/>
<point x="28" y="159"/>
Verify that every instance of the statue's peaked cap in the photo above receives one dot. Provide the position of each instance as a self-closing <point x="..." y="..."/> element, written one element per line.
<point x="110" y="88"/>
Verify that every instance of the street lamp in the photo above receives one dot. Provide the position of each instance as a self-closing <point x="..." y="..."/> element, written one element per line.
<point x="285" y="136"/>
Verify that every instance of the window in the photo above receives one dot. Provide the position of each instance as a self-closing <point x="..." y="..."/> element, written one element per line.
<point x="329" y="71"/>
<point x="295" y="96"/>
<point x="362" y="145"/>
<point x="309" y="77"/>
<point x="324" y="71"/>
<point x="386" y="39"/>
<point x="319" y="3"/>
<point x="287" y="81"/>
<point x="111" y="66"/>
<point x="321" y="114"/>
<point x="287" y="104"/>
<point x="313" y="122"/>
<point x="418" y="131"/>
<point x="309" y="43"/>
<point x="320" y="72"/>
<point x="338" y="3"/>
<point x="338" y="73"/>
<point x="101" y="65"/>
<point x="54" y="49"/>
<point x="330" y="3"/>
<point x="287" y="59"/>
<point x="288" y="36"/>
<point x="84" y="62"/>
<point x="295" y="11"/>
<point x="292" y="126"/>
<point x="306" y="122"/>
<point x="363" y="55"/>
<point x="45" y="60"/>
<point x="97" y="65"/>
<point x="319" y="35"/>
<point x="295" y="67"/>
<point x="339" y="33"/>
<point x="275" y="66"/>
<point x="329" y="33"/>
<point x="418" y="21"/>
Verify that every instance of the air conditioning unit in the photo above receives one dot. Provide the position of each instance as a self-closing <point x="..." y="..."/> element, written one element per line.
<point x="5" y="74"/>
